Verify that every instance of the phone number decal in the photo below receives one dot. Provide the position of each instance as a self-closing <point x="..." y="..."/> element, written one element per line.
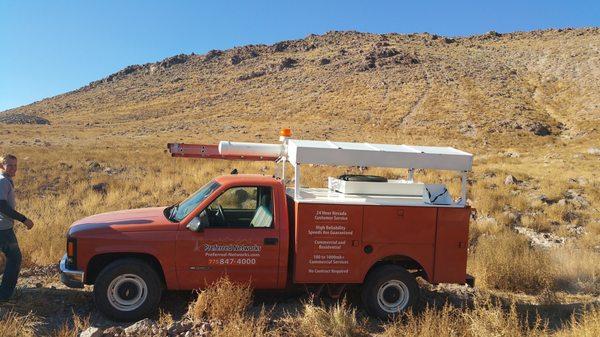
<point x="231" y="262"/>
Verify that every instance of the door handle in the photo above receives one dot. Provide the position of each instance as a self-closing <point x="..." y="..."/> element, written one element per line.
<point x="270" y="241"/>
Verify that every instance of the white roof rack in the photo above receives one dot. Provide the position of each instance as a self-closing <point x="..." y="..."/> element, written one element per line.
<point x="378" y="155"/>
<point x="298" y="152"/>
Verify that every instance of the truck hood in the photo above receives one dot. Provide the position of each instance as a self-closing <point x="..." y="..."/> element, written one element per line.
<point x="133" y="220"/>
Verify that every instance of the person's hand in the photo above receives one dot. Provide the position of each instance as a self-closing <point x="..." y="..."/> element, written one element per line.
<point x="28" y="223"/>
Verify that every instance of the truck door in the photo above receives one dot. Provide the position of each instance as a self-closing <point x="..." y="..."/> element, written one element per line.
<point x="240" y="239"/>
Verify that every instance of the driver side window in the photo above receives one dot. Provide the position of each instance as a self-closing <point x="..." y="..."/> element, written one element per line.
<point x="237" y="198"/>
<point x="242" y="207"/>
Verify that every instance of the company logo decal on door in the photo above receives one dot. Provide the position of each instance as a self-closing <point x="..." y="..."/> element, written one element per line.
<point x="231" y="254"/>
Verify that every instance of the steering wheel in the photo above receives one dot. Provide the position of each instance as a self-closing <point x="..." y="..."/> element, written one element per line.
<point x="220" y="213"/>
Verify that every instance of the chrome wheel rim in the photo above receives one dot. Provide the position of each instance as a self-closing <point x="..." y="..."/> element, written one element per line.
<point x="393" y="296"/>
<point x="127" y="292"/>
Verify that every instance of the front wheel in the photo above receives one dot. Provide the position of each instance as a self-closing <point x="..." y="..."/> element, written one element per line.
<point x="388" y="291"/>
<point x="127" y="290"/>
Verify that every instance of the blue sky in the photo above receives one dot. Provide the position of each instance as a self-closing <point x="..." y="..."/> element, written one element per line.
<point x="51" y="47"/>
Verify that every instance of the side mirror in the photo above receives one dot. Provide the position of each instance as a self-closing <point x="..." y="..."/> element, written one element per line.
<point x="196" y="225"/>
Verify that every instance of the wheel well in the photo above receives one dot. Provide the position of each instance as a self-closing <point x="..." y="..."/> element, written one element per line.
<point x="405" y="262"/>
<point x="98" y="262"/>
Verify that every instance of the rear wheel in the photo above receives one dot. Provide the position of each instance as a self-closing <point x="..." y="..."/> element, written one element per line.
<point x="127" y="290"/>
<point x="388" y="291"/>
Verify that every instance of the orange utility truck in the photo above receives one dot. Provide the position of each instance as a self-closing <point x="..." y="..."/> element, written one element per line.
<point x="360" y="230"/>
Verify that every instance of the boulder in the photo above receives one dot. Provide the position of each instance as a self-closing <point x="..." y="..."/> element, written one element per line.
<point x="91" y="332"/>
<point x="213" y="54"/>
<point x="512" y="154"/>
<point x="281" y="46"/>
<point x="576" y="199"/>
<point x="235" y="59"/>
<point x="18" y="118"/>
<point x="385" y="52"/>
<point x="179" y="327"/>
<point x="542" y="240"/>
<point x="368" y="63"/>
<point x="173" y="60"/>
<point x="113" y="331"/>
<point x="594" y="150"/>
<point x="252" y="75"/>
<point x="546" y="200"/>
<point x="94" y="167"/>
<point x="144" y="327"/>
<point x="511" y="180"/>
<point x="287" y="62"/>
<point x="540" y="129"/>
<point x="100" y="188"/>
<point x="513" y="216"/>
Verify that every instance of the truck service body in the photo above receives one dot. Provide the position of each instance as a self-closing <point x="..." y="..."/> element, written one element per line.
<point x="252" y="228"/>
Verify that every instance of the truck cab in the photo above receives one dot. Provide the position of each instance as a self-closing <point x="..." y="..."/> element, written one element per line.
<point x="372" y="232"/>
<point x="241" y="230"/>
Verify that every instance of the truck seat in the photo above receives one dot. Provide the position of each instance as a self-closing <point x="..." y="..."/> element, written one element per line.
<point x="263" y="218"/>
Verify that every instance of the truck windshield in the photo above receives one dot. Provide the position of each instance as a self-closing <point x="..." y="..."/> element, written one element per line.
<point x="179" y="211"/>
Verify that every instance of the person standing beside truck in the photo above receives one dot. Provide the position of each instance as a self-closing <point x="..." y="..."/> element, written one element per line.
<point x="8" y="241"/>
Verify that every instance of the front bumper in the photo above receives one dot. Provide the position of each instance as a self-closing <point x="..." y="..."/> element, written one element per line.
<point x="71" y="278"/>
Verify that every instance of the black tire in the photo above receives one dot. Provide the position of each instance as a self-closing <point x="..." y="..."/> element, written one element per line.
<point x="389" y="284"/>
<point x="129" y="279"/>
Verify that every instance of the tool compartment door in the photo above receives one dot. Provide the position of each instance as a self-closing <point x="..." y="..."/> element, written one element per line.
<point x="327" y="243"/>
<point x="451" y="242"/>
<point x="399" y="224"/>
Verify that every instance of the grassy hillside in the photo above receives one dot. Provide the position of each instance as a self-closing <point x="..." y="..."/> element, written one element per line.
<point x="526" y="104"/>
<point x="482" y="90"/>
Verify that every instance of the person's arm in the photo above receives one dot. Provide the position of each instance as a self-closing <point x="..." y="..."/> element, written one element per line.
<point x="5" y="208"/>
<point x="10" y="212"/>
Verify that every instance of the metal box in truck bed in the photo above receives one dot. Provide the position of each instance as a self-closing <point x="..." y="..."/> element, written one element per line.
<point x="343" y="230"/>
<point x="337" y="243"/>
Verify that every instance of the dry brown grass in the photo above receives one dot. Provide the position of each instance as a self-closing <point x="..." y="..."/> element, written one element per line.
<point x="485" y="319"/>
<point x="538" y="222"/>
<point x="246" y="325"/>
<point x="337" y="320"/>
<point x="74" y="328"/>
<point x="429" y="323"/>
<point x="507" y="262"/>
<point x="586" y="324"/>
<point x="578" y="270"/>
<point x="224" y="301"/>
<point x="165" y="318"/>
<point x="225" y="304"/>
<point x="13" y="324"/>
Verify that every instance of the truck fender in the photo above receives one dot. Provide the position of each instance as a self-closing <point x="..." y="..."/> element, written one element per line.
<point x="98" y="262"/>
<point x="404" y="261"/>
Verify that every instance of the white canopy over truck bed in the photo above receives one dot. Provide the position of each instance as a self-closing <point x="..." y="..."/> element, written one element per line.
<point x="394" y="192"/>
<point x="377" y="155"/>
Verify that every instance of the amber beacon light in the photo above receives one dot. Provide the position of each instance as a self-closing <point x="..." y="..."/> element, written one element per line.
<point x="285" y="132"/>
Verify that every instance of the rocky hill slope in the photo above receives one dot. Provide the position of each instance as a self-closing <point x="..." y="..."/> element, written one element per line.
<point x="492" y="89"/>
<point x="526" y="104"/>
